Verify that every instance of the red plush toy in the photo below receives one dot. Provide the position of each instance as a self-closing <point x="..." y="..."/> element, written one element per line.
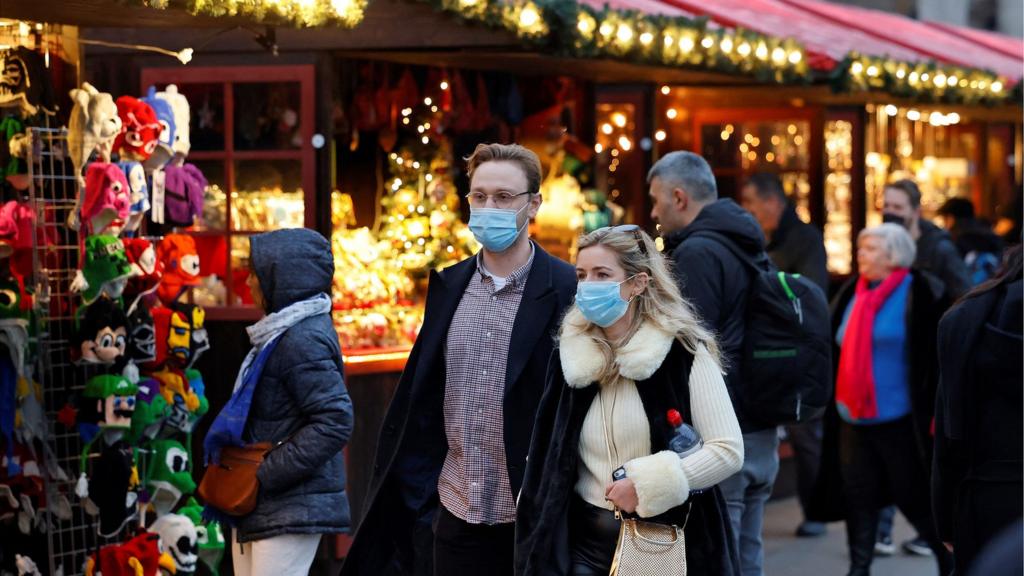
<point x="140" y="556"/>
<point x="140" y="129"/>
<point x="180" y="260"/>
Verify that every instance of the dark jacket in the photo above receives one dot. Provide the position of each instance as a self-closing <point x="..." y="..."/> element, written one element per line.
<point x="798" y="248"/>
<point x="300" y="398"/>
<point x="542" y="525"/>
<point x="973" y="236"/>
<point x="715" y="281"/>
<point x="977" y="484"/>
<point x="925" y="306"/>
<point x="937" y="255"/>
<point x="402" y="495"/>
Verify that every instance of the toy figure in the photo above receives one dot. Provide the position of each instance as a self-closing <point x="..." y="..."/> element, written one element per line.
<point x="92" y="127"/>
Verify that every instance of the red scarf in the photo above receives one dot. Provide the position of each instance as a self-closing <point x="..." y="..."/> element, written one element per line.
<point x="855" y="384"/>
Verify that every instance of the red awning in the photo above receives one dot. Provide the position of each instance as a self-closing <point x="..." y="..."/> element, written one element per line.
<point x="653" y="7"/>
<point x="930" y="42"/>
<point x="1008" y="45"/>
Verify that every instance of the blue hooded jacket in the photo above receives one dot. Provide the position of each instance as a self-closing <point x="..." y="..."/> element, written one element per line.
<point x="300" y="398"/>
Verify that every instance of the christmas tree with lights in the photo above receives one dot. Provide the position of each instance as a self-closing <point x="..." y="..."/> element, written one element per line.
<point x="420" y="207"/>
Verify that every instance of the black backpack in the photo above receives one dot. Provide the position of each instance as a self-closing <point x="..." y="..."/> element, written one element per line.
<point x="786" y="365"/>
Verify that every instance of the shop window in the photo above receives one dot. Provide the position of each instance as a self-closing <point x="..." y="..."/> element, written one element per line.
<point x="251" y="130"/>
<point x="839" y="196"/>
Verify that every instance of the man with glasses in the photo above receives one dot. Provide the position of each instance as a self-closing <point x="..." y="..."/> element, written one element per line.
<point x="701" y="232"/>
<point x="453" y="446"/>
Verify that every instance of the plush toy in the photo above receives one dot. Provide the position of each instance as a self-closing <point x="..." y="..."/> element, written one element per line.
<point x="107" y="198"/>
<point x="140" y="556"/>
<point x="183" y="201"/>
<point x="180" y="260"/>
<point x="115" y="400"/>
<point x="188" y="338"/>
<point x="168" y="126"/>
<point x="92" y="127"/>
<point x="140" y="129"/>
<point x="186" y="406"/>
<point x="179" y="539"/>
<point x="142" y="343"/>
<point x="135" y="174"/>
<point x="182" y="118"/>
<point x="168" y="477"/>
<point x="106" y="269"/>
<point x="103" y="333"/>
<point x="148" y="270"/>
<point x="151" y="411"/>
<point x="209" y="536"/>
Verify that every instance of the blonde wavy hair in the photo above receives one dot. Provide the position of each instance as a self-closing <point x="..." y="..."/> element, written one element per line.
<point x="659" y="304"/>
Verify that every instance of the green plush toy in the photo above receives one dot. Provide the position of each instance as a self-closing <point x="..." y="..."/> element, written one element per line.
<point x="211" y="538"/>
<point x="115" y="400"/>
<point x="168" y="478"/>
<point x="106" y="268"/>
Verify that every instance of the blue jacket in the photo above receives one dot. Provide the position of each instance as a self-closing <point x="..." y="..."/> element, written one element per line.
<point x="300" y="399"/>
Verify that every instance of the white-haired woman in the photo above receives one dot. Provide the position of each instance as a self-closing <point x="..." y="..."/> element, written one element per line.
<point x="877" y="445"/>
<point x="630" y="352"/>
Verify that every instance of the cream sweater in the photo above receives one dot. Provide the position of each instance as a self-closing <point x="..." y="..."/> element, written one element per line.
<point x="662" y="480"/>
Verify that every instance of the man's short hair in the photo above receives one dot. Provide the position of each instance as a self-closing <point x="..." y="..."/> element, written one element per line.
<point x="958" y="208"/>
<point x="525" y="158"/>
<point x="686" y="170"/>
<point x="767" y="185"/>
<point x="908" y="187"/>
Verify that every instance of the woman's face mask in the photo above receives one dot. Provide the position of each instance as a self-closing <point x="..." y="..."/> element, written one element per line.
<point x="601" y="302"/>
<point x="496" y="228"/>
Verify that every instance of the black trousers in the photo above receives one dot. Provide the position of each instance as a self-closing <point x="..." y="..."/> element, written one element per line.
<point x="880" y="465"/>
<point x="464" y="549"/>
<point x="593" y="535"/>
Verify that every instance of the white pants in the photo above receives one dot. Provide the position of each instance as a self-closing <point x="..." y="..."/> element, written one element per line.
<point x="285" y="555"/>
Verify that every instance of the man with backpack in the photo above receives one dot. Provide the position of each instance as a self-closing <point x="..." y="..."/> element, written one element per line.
<point x="721" y="265"/>
<point x="979" y="246"/>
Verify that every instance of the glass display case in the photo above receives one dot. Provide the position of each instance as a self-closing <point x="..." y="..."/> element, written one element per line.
<point x="251" y="133"/>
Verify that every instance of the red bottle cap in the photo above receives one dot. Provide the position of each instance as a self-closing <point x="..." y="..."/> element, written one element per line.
<point x="675" y="418"/>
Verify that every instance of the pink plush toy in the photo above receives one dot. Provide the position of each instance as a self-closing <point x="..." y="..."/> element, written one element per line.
<point x="107" y="198"/>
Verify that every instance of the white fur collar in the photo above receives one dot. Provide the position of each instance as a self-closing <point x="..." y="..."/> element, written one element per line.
<point x="582" y="360"/>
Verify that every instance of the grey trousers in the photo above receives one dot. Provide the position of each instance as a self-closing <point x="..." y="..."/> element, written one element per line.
<point x="746" y="493"/>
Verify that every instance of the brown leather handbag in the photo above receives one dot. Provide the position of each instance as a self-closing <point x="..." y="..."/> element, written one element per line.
<point x="231" y="485"/>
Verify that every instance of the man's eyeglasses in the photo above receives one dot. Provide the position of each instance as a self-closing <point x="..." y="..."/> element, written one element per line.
<point x="632" y="229"/>
<point x="501" y="199"/>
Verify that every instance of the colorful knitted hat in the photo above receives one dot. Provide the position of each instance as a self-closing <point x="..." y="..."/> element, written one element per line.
<point x="136" y="176"/>
<point x="139" y="129"/>
<point x="107" y="197"/>
<point x="105" y="270"/>
<point x="178" y="537"/>
<point x="169" y="477"/>
<point x="177" y="253"/>
<point x="118" y="396"/>
<point x="165" y="116"/>
<point x="148" y="270"/>
<point x="151" y="411"/>
<point x="182" y="117"/>
<point x="208" y="535"/>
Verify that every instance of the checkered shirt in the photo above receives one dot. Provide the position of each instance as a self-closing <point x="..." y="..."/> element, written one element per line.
<point x="474" y="484"/>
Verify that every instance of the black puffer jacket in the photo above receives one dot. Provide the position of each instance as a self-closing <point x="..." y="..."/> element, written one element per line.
<point x="300" y="398"/>
<point x="715" y="281"/>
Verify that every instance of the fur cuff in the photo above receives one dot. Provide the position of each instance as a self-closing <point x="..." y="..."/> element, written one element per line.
<point x="660" y="483"/>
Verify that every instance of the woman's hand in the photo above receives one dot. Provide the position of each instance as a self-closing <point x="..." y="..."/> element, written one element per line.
<point x="622" y="493"/>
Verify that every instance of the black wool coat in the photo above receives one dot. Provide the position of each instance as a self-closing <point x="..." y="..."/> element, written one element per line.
<point x="394" y="536"/>
<point x="542" y="523"/>
<point x="925" y="306"/>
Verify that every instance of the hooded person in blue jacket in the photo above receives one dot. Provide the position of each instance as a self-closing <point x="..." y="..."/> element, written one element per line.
<point x="290" y="392"/>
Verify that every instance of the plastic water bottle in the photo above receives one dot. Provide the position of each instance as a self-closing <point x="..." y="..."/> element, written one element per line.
<point x="685" y="440"/>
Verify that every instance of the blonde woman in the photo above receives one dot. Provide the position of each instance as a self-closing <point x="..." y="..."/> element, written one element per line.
<point x="629" y="351"/>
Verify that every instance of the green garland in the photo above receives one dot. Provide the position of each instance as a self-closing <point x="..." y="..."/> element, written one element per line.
<point x="298" y="13"/>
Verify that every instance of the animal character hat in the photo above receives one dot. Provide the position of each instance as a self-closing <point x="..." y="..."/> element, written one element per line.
<point x="168" y="477"/>
<point x="140" y="129"/>
<point x="107" y="198"/>
<point x="179" y="538"/>
<point x="105" y="271"/>
<point x="92" y="127"/>
<point x="182" y="118"/>
<point x="177" y="253"/>
<point x="136" y="176"/>
<point x="141" y="255"/>
<point x="165" y="117"/>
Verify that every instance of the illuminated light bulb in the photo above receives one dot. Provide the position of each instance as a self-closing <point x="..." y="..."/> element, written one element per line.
<point x="406" y="111"/>
<point x="585" y="24"/>
<point x="624" y="34"/>
<point x="428" y="177"/>
<point x="776" y="140"/>
<point x="615" y="152"/>
<point x="891" y="110"/>
<point x="619" y="119"/>
<point x="935" y="119"/>
<point x="426" y="125"/>
<point x="913" y="78"/>
<point x="428" y="101"/>
<point x="660" y="135"/>
<point x="779" y="56"/>
<point x="795" y="57"/>
<point x="762" y="51"/>
<point x="444" y="85"/>
<point x="726" y="45"/>
<point x="770" y="157"/>
<point x="744" y="49"/>
<point x="433" y="108"/>
<point x="421" y="129"/>
<point x="646" y="38"/>
<point x="756" y="142"/>
<point x="671" y="113"/>
<point x="707" y="42"/>
<point x="856" y="68"/>
<point x="400" y="160"/>
<point x="798" y="140"/>
<point x="983" y="85"/>
<point x="686" y="44"/>
<point x="953" y="118"/>
<point x="394" y="156"/>
<point x="744" y="147"/>
<point x="425" y="140"/>
<point x="398" y="181"/>
<point x="730" y="128"/>
<point x="665" y="90"/>
<point x="468" y="3"/>
<point x="913" y="115"/>
<point x="952" y="81"/>
<point x="598" y="148"/>
<point x="416" y="165"/>
<point x="939" y="80"/>
<point x="341" y="7"/>
<point x="606" y="128"/>
<point x="964" y="83"/>
<point x="997" y="86"/>
<point x="748" y="138"/>
<point x="405" y="121"/>
<point x="528" y="17"/>
<point x="752" y="156"/>
<point x="669" y="40"/>
<point x="724" y="135"/>
<point x="924" y="77"/>
<point x="901" y="73"/>
<point x="872" y="71"/>
<point x="607" y="29"/>
<point x="625" y="144"/>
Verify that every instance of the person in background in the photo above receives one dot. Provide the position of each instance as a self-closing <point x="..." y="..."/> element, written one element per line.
<point x="453" y="446"/>
<point x="297" y="401"/>
<point x="978" y="245"/>
<point x="796" y="248"/>
<point x="977" y="488"/>
<point x="877" y="445"/>
<point x="685" y="203"/>
<point x="630" y="351"/>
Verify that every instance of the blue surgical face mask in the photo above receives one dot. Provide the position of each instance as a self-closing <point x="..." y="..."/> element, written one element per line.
<point x="495" y="228"/>
<point x="601" y="302"/>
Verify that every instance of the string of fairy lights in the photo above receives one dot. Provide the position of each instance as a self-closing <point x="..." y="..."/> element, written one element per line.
<point x="573" y="29"/>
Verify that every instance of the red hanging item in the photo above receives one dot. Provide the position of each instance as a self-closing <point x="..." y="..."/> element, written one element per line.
<point x="462" y="102"/>
<point x="482" y="112"/>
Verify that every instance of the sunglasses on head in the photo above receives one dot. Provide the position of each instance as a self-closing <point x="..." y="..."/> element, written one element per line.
<point x="634" y="230"/>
